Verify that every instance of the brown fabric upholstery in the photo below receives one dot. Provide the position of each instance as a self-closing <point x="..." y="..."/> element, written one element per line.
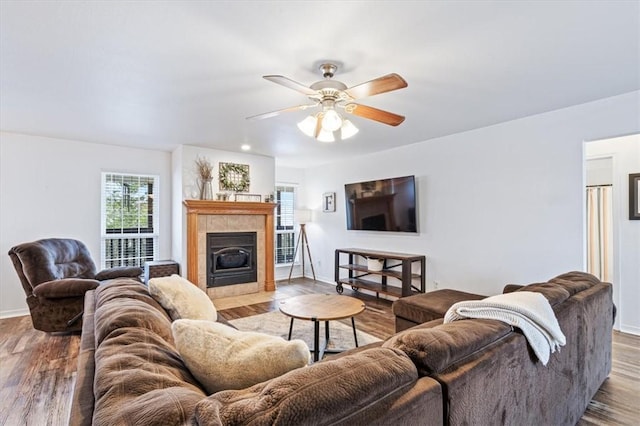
<point x="331" y="392"/>
<point x="420" y="308"/>
<point x="433" y="349"/>
<point x="130" y="372"/>
<point x="83" y="401"/>
<point x="554" y="293"/>
<point x="139" y="375"/>
<point x="55" y="273"/>
<point x="66" y="287"/>
<point x="495" y="378"/>
<point x="466" y="372"/>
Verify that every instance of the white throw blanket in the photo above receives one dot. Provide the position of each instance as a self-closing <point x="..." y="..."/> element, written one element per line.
<point x="529" y="311"/>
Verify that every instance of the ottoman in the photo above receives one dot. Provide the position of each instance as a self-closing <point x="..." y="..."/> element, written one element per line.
<point x="420" y="308"/>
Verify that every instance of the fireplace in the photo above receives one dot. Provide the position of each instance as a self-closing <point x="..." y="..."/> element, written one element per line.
<point x="231" y="258"/>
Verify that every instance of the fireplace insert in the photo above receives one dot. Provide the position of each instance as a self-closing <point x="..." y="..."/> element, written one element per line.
<point x="231" y="258"/>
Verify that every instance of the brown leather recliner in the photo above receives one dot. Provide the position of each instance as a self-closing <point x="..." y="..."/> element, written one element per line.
<point x="55" y="274"/>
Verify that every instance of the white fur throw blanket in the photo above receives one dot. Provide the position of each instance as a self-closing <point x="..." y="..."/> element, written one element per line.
<point x="529" y="311"/>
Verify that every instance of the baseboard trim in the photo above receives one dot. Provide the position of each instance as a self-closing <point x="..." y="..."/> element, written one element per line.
<point x="14" y="313"/>
<point x="630" y="329"/>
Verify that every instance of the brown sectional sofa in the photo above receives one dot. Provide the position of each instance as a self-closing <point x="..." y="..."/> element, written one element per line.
<point x="465" y="372"/>
<point x="129" y="372"/>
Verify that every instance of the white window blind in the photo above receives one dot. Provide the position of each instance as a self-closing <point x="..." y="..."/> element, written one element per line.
<point x="129" y="219"/>
<point x="285" y="196"/>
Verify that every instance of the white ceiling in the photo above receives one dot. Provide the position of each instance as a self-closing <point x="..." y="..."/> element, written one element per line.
<point x="159" y="74"/>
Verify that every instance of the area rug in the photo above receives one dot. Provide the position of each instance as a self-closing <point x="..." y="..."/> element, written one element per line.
<point x="277" y="324"/>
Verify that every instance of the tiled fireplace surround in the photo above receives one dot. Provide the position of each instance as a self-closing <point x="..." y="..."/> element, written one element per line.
<point x="225" y="216"/>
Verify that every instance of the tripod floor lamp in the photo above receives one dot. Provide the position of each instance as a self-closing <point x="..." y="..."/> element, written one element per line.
<point x="303" y="216"/>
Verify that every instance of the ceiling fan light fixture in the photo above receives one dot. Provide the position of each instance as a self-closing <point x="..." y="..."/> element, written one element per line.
<point x="308" y="125"/>
<point x="331" y="120"/>
<point x="348" y="130"/>
<point x="325" y="136"/>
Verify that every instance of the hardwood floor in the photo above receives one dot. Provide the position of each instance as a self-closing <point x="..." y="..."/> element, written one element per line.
<point x="37" y="370"/>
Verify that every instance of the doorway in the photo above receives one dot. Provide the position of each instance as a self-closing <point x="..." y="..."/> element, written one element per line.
<point x="612" y="241"/>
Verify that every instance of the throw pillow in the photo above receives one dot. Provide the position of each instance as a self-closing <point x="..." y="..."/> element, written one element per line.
<point x="221" y="357"/>
<point x="182" y="299"/>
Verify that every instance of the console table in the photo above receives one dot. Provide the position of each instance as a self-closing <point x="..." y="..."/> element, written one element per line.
<point x="396" y="266"/>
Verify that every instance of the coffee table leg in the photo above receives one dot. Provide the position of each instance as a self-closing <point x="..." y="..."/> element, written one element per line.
<point x="290" y="328"/>
<point x="316" y="339"/>
<point x="326" y="331"/>
<point x="355" y="336"/>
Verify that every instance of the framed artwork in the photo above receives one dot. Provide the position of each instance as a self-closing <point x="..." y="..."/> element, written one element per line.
<point x="634" y="196"/>
<point x="233" y="177"/>
<point x="329" y="202"/>
<point x="248" y="197"/>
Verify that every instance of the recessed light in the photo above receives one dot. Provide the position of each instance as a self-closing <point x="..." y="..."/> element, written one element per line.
<point x="245" y="147"/>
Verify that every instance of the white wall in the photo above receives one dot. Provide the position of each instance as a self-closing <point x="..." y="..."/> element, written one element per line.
<point x="261" y="175"/>
<point x="51" y="188"/>
<point x="625" y="153"/>
<point x="497" y="205"/>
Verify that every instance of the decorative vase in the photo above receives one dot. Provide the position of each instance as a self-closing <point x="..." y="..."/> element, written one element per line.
<point x="206" y="190"/>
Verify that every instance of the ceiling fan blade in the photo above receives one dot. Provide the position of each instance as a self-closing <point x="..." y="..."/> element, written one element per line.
<point x="376" y="114"/>
<point x="383" y="84"/>
<point x="280" y="111"/>
<point x="287" y="82"/>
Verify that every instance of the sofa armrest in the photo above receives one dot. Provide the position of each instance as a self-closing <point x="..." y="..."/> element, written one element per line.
<point x="66" y="287"/>
<point x="119" y="272"/>
<point x="83" y="401"/>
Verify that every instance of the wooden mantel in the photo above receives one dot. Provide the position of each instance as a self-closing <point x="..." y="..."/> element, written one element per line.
<point x="206" y="207"/>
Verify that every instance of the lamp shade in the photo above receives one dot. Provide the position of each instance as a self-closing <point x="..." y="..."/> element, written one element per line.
<point x="348" y="130"/>
<point x="302" y="215"/>
<point x="308" y="125"/>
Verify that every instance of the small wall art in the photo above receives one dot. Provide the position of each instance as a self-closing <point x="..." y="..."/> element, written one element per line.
<point x="233" y="177"/>
<point x="329" y="202"/>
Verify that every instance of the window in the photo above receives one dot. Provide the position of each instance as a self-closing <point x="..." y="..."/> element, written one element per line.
<point x="285" y="232"/>
<point x="129" y="219"/>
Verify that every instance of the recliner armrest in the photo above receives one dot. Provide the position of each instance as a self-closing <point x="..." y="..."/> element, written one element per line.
<point x="119" y="272"/>
<point x="66" y="287"/>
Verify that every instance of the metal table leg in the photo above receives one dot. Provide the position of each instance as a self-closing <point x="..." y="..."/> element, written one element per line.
<point x="316" y="340"/>
<point x="290" y="328"/>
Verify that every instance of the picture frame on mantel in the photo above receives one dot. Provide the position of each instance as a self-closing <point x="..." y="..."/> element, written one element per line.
<point x="634" y="196"/>
<point x="329" y="202"/>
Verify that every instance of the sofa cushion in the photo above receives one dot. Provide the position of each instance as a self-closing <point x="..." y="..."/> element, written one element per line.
<point x="327" y="392"/>
<point x="130" y="313"/>
<point x="66" y="287"/>
<point x="221" y="357"/>
<point x="141" y="379"/>
<point x="182" y="299"/>
<point x="575" y="282"/>
<point x="554" y="293"/>
<point x="434" y="348"/>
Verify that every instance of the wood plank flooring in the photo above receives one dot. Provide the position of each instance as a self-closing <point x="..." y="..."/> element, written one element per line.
<point x="37" y="370"/>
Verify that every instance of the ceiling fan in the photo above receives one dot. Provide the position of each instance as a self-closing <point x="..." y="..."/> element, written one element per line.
<point x="329" y="94"/>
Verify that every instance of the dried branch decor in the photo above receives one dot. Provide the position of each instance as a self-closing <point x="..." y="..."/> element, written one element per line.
<point x="234" y="177"/>
<point x="205" y="173"/>
<point x="205" y="169"/>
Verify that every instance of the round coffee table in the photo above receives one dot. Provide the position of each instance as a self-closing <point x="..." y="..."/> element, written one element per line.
<point x="322" y="307"/>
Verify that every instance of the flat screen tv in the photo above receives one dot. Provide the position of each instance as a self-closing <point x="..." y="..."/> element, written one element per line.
<point x="382" y="205"/>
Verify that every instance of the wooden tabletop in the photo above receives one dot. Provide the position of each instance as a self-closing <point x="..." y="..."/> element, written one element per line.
<point x="321" y="307"/>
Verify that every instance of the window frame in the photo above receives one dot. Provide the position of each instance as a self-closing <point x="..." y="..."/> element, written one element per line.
<point x="293" y="229"/>
<point x="107" y="235"/>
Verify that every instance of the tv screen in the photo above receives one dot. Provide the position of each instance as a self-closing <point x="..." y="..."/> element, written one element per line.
<point x="382" y="205"/>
